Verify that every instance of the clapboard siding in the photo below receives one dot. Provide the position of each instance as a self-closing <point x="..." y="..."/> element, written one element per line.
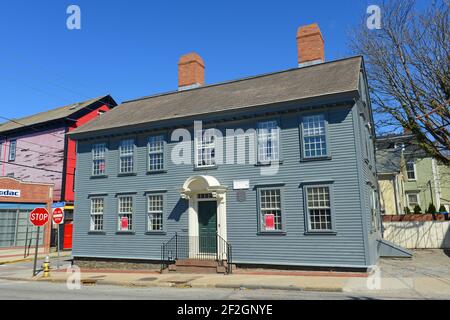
<point x="346" y="248"/>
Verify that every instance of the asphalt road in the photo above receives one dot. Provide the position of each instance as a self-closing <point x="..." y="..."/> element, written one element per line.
<point x="25" y="290"/>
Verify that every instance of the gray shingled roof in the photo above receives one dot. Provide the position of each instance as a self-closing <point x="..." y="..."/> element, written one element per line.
<point x="46" y="116"/>
<point x="291" y="85"/>
<point x="388" y="161"/>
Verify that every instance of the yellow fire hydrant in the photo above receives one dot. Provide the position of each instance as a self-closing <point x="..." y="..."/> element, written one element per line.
<point x="46" y="267"/>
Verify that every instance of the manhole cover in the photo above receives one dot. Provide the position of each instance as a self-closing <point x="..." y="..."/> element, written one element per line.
<point x="88" y="282"/>
<point x="148" y="279"/>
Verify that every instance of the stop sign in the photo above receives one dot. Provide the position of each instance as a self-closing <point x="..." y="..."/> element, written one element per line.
<point x="39" y="217"/>
<point x="58" y="215"/>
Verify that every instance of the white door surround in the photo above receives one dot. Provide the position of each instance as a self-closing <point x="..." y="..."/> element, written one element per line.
<point x="196" y="185"/>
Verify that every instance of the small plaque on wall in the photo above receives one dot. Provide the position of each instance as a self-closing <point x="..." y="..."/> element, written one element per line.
<point x="241" y="184"/>
<point x="241" y="195"/>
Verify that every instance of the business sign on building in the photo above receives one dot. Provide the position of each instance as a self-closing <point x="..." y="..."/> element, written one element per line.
<point x="8" y="193"/>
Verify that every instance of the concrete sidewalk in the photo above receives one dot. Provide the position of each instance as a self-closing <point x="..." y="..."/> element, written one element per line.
<point x="9" y="256"/>
<point x="428" y="276"/>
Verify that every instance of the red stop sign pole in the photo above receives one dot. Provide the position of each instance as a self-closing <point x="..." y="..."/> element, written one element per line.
<point x="38" y="217"/>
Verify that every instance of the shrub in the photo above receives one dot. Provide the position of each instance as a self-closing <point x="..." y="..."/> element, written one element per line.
<point x="431" y="209"/>
<point x="407" y="210"/>
<point x="442" y="208"/>
<point x="417" y="209"/>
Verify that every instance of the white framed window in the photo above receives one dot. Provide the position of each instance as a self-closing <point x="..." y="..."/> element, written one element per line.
<point x="156" y="153"/>
<point x="373" y="208"/>
<point x="413" y="199"/>
<point x="268" y="141"/>
<point x="411" y="170"/>
<point x="155" y="212"/>
<point x="98" y="159"/>
<point x="12" y="150"/>
<point x="205" y="148"/>
<point x="270" y="210"/>
<point x="125" y="213"/>
<point x="318" y="202"/>
<point x="97" y="210"/>
<point x="314" y="136"/>
<point x="204" y="196"/>
<point x="126" y="153"/>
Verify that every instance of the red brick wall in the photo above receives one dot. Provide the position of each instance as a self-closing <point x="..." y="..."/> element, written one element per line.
<point x="31" y="193"/>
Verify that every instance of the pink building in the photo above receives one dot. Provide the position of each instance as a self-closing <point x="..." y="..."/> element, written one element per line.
<point x="35" y="149"/>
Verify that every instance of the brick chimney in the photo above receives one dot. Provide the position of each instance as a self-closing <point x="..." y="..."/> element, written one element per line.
<point x="191" y="71"/>
<point x="310" y="45"/>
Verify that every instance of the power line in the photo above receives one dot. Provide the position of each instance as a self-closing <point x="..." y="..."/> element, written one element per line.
<point x="43" y="146"/>
<point x="31" y="167"/>
<point x="43" y="68"/>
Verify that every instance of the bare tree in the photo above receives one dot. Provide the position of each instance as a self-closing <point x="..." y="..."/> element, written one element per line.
<point x="408" y="67"/>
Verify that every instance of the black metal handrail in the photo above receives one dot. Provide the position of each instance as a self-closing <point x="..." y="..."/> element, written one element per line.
<point x="203" y="247"/>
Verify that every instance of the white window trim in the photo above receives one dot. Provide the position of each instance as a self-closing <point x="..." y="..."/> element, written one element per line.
<point x="415" y="171"/>
<point x="12" y="150"/>
<point x="151" y="212"/>
<point x="162" y="152"/>
<point x="262" y="229"/>
<point x="92" y="214"/>
<point x="330" y="207"/>
<point x="325" y="135"/>
<point x="276" y="134"/>
<point x="94" y="158"/>
<point x="127" y="155"/>
<point x="198" y="141"/>
<point x="120" y="214"/>
<point x="418" y="199"/>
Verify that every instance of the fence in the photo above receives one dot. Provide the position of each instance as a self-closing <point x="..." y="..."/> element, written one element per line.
<point x="418" y="234"/>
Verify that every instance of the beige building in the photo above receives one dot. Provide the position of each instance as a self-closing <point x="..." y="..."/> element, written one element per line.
<point x="408" y="177"/>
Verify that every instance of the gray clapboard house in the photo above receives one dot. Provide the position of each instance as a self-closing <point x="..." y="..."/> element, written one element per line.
<point x="308" y="199"/>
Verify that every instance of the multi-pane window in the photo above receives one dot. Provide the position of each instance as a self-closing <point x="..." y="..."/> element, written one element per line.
<point x="97" y="210"/>
<point x="156" y="153"/>
<point x="411" y="170"/>
<point x="155" y="212"/>
<point x="12" y="150"/>
<point x="98" y="159"/>
<point x="268" y="141"/>
<point x="205" y="148"/>
<point x="126" y="152"/>
<point x="270" y="209"/>
<point x="413" y="199"/>
<point x="319" y="208"/>
<point x="314" y="136"/>
<point x="373" y="208"/>
<point x="125" y="213"/>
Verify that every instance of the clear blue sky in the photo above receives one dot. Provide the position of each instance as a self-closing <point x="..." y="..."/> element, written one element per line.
<point x="130" y="48"/>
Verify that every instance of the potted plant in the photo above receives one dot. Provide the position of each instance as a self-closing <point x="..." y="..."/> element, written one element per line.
<point x="431" y="210"/>
<point x="444" y="211"/>
<point x="417" y="209"/>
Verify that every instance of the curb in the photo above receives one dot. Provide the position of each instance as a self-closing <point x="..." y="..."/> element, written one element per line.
<point x="274" y="287"/>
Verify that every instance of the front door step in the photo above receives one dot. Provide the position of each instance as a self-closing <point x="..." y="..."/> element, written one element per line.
<point x="198" y="266"/>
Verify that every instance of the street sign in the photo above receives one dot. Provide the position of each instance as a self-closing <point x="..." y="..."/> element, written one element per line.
<point x="39" y="217"/>
<point x="58" y="215"/>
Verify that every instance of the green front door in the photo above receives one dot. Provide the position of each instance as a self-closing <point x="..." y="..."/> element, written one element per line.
<point x="207" y="227"/>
